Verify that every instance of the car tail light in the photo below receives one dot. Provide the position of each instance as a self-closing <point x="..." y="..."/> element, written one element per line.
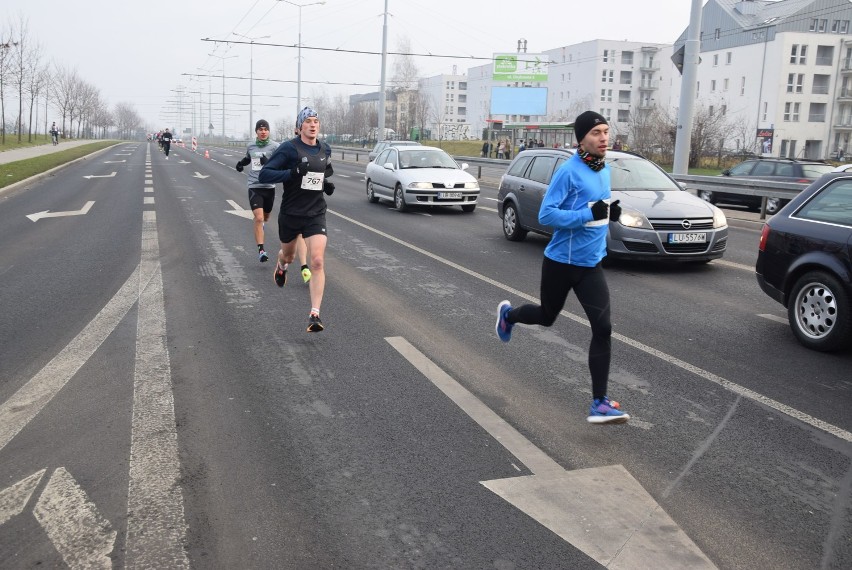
<point x="804" y="180"/>
<point x="764" y="235"/>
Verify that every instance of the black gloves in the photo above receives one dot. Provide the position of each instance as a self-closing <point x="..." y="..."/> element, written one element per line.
<point x="242" y="163"/>
<point x="328" y="170"/>
<point x="614" y="211"/>
<point x="299" y="170"/>
<point x="263" y="159"/>
<point x="599" y="210"/>
<point x="328" y="187"/>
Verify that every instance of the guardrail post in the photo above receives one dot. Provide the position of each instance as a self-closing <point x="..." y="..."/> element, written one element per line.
<point x="479" y="172"/>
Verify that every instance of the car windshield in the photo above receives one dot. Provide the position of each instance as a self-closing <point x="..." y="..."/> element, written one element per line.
<point x="816" y="170"/>
<point x="629" y="173"/>
<point x="425" y="159"/>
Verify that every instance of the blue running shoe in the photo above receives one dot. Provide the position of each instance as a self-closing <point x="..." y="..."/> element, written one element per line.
<point x="261" y="255"/>
<point x="503" y="326"/>
<point x="604" y="411"/>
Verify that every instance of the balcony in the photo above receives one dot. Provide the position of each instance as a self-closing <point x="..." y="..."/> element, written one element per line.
<point x="845" y="94"/>
<point x="647" y="86"/>
<point x="846" y="65"/>
<point x="844" y="124"/>
<point x="649" y="66"/>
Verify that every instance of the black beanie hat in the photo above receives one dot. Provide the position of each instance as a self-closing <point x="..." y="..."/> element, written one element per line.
<point x="261" y="123"/>
<point x="585" y="122"/>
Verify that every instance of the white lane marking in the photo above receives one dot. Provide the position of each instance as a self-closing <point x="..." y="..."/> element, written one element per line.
<point x="733" y="264"/>
<point x="487" y="209"/>
<point x="492" y="199"/>
<point x="149" y="189"/>
<point x="48" y="214"/>
<point x="73" y="524"/>
<point x="90" y="176"/>
<point x="239" y="211"/>
<point x="632" y="530"/>
<point x="14" y="499"/>
<point x="28" y="401"/>
<point x="148" y="200"/>
<point x="727" y="384"/>
<point x="775" y="318"/>
<point x="156" y="528"/>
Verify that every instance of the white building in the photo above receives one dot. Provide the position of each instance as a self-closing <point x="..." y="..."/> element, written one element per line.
<point x="779" y="69"/>
<point x="446" y="104"/>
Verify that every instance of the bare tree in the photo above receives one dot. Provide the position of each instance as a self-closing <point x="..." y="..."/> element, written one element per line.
<point x="422" y="111"/>
<point x="405" y="73"/>
<point x="20" y="70"/>
<point x="64" y="88"/>
<point x="6" y="47"/>
<point x="126" y="120"/>
<point x="36" y="80"/>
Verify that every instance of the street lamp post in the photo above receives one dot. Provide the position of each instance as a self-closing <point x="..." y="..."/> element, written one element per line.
<point x="251" y="78"/>
<point x="223" y="58"/>
<point x="299" y="67"/>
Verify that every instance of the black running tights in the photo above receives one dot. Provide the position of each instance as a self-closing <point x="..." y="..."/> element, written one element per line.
<point x="589" y="284"/>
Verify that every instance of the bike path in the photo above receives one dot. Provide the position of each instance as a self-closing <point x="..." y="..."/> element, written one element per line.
<point x="24" y="153"/>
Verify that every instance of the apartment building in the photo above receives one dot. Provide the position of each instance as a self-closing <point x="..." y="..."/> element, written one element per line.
<point x="445" y="106"/>
<point x="781" y="72"/>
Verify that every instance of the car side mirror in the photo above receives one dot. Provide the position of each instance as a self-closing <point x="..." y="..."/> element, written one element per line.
<point x="682" y="185"/>
<point x="464" y="166"/>
<point x="726" y="172"/>
<point x="389" y="165"/>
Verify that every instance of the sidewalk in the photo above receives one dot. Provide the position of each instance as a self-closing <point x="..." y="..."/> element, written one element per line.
<point x="40" y="150"/>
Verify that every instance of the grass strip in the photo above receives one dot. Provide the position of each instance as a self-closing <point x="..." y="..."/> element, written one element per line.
<point x="12" y="172"/>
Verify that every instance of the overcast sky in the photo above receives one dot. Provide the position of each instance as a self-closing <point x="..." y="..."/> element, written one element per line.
<point x="139" y="52"/>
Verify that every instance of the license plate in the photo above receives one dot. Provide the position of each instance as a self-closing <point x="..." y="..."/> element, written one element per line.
<point x="688" y="238"/>
<point x="449" y="195"/>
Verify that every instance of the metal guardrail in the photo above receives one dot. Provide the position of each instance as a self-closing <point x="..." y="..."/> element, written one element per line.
<point x="744" y="186"/>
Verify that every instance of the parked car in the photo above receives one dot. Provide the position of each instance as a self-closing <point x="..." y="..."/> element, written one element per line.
<point x="804" y="262"/>
<point x="659" y="219"/>
<point x="420" y="175"/>
<point x="775" y="169"/>
<point x="382" y="145"/>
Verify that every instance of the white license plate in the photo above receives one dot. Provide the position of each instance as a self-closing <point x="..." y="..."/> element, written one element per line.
<point x="449" y="195"/>
<point x="688" y="238"/>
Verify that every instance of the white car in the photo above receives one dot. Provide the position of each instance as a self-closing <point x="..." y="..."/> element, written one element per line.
<point x="422" y="176"/>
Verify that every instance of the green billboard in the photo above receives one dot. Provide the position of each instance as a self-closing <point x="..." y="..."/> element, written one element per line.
<point x="528" y="67"/>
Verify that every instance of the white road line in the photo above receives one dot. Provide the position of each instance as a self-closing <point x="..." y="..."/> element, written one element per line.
<point x="78" y="531"/>
<point x="156" y="528"/>
<point x="727" y="384"/>
<point x="749" y="268"/>
<point x="775" y="318"/>
<point x="148" y="200"/>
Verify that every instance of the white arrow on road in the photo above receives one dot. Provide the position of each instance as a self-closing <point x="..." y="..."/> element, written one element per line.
<point x="183" y="162"/>
<point x="48" y="214"/>
<point x="238" y="211"/>
<point x="625" y="529"/>
<point x="13" y="499"/>
<point x="90" y="176"/>
<point x="113" y="161"/>
<point x="202" y="176"/>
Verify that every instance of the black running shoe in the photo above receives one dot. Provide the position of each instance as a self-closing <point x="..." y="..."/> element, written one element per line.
<point x="314" y="323"/>
<point x="280" y="275"/>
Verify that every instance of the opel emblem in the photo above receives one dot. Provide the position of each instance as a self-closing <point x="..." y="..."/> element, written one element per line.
<point x="686" y="224"/>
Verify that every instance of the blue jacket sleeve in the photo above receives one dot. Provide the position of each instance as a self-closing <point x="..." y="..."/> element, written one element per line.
<point x="277" y="168"/>
<point x="562" y="206"/>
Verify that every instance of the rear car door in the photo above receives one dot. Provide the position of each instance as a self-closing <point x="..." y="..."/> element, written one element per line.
<point x="538" y="178"/>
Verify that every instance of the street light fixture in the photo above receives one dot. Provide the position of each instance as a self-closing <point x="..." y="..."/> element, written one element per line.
<point x="223" y="58"/>
<point x="299" y="68"/>
<point x="251" y="78"/>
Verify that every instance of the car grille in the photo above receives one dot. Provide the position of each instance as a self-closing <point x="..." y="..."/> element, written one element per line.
<point x="720" y="245"/>
<point x="685" y="247"/>
<point x="640" y="246"/>
<point x="442" y="185"/>
<point x="677" y="224"/>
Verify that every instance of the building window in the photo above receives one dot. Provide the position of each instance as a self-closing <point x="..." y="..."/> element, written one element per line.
<point x="715" y="59"/>
<point x="821" y="84"/>
<point x="624" y="96"/>
<point x="825" y="55"/>
<point x="788" y="108"/>
<point x="814" y="24"/>
<point x="712" y="86"/>
<point x="742" y="86"/>
<point x="718" y="33"/>
<point x="816" y="113"/>
<point x="799" y="54"/>
<point x="844" y="26"/>
<point x="607" y="76"/>
<point x="729" y="57"/>
<point x="606" y="95"/>
<point x="626" y="77"/>
<point x="623" y="115"/>
<point x="795" y="115"/>
<point x="724" y="110"/>
<point x="835" y="26"/>
<point x="711" y="108"/>
<point x="627" y="58"/>
<point x="765" y="109"/>
<point x="606" y="56"/>
<point x="823" y="24"/>
<point x="463" y="85"/>
<point x="795" y="82"/>
<point x="725" y="84"/>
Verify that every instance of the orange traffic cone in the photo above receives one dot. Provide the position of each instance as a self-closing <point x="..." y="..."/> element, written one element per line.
<point x="206" y="153"/>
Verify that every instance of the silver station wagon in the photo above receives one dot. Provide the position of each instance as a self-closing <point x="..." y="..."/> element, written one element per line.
<point x="659" y="219"/>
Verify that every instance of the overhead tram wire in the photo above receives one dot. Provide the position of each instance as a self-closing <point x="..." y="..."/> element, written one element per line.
<point x="287" y="80"/>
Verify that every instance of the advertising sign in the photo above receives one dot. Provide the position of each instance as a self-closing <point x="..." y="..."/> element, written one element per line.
<point x="529" y="67"/>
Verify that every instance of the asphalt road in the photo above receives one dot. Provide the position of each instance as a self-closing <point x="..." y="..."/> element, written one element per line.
<point x="161" y="404"/>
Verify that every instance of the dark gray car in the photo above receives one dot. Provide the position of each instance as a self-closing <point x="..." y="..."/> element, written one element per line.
<point x="659" y="219"/>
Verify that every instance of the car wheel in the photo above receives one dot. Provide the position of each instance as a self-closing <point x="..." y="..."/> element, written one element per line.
<point x="819" y="312"/>
<point x="511" y="224"/>
<point x="468" y="207"/>
<point x="399" y="199"/>
<point x="773" y="205"/>
<point x="707" y="196"/>
<point x="371" y="194"/>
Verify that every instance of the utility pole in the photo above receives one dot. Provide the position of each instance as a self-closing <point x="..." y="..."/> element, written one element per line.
<point x="381" y="134"/>
<point x="223" y="58"/>
<point x="688" y="90"/>
<point x="251" y="76"/>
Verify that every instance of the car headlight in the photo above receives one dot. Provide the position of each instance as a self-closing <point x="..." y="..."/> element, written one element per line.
<point x="633" y="218"/>
<point x="471" y="185"/>
<point x="420" y="185"/>
<point x="719" y="219"/>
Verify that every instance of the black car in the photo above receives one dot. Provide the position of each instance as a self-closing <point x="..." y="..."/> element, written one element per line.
<point x="805" y="262"/>
<point x="774" y="169"/>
